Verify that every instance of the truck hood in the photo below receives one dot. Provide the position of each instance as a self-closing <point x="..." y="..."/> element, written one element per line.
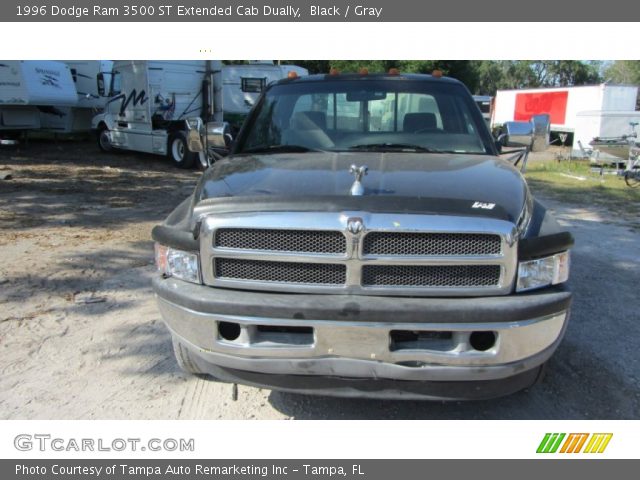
<point x="428" y="183"/>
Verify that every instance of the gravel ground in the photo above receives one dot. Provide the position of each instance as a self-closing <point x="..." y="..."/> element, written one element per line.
<point x="75" y="228"/>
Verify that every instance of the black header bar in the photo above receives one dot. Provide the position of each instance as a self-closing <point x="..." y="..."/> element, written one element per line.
<point x="323" y="11"/>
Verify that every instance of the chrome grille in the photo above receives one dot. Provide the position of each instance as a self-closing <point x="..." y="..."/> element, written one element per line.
<point x="395" y="254"/>
<point x="431" y="275"/>
<point x="303" y="241"/>
<point x="281" y="272"/>
<point x="446" y="244"/>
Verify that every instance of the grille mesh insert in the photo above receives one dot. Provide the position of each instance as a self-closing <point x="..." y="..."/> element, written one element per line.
<point x="306" y="241"/>
<point x="407" y="244"/>
<point x="431" y="275"/>
<point x="281" y="272"/>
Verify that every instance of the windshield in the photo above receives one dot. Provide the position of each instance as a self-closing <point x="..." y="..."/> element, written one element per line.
<point x="378" y="115"/>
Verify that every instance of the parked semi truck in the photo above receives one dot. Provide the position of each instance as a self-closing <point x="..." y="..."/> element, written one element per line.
<point x="365" y="238"/>
<point x="149" y="101"/>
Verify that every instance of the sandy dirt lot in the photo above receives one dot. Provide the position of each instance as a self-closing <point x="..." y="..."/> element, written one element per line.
<point x="75" y="227"/>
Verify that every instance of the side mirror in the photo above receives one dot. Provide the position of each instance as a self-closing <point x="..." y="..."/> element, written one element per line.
<point x="517" y="134"/>
<point x="541" y="132"/>
<point x="533" y="135"/>
<point x="101" y="89"/>
<point x="219" y="135"/>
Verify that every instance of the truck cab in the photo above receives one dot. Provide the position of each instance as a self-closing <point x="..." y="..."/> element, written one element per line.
<point x="149" y="101"/>
<point x="364" y="238"/>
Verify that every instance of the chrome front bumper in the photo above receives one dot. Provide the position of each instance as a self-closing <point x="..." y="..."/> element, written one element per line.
<point x="333" y="336"/>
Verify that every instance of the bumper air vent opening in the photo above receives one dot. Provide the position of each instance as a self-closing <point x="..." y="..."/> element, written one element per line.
<point x="421" y="340"/>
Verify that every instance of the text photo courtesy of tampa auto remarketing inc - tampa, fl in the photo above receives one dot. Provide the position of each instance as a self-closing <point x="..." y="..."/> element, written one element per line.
<point x="319" y="239"/>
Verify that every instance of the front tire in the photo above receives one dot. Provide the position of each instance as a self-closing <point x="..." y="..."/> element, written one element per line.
<point x="104" y="139"/>
<point x="178" y="151"/>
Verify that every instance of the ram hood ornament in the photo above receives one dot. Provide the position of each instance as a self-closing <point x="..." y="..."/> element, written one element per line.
<point x="357" y="189"/>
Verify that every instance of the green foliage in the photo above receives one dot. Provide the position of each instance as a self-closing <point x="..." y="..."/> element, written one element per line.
<point x="486" y="76"/>
<point x="624" y="71"/>
<point x="512" y="74"/>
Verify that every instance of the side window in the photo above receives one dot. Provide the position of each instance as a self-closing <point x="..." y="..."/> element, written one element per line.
<point x="252" y="85"/>
<point x="116" y="83"/>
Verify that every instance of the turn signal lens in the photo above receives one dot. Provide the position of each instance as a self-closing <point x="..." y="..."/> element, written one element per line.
<point x="543" y="272"/>
<point x="177" y="263"/>
<point x="161" y="257"/>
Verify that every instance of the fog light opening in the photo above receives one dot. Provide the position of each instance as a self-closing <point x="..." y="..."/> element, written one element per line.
<point x="482" y="341"/>
<point x="229" y="331"/>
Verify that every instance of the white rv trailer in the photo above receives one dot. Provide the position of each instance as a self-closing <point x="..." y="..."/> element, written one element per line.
<point x="243" y="84"/>
<point x="30" y="87"/>
<point x="85" y="76"/>
<point x="149" y="102"/>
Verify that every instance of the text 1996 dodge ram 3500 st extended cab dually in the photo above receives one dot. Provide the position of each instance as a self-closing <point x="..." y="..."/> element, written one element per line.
<point x="364" y="238"/>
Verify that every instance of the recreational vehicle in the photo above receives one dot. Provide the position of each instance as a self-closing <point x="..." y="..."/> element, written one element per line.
<point x="30" y="88"/>
<point x="85" y="76"/>
<point x="243" y="84"/>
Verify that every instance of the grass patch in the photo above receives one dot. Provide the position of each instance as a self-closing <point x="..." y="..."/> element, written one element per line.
<point x="573" y="182"/>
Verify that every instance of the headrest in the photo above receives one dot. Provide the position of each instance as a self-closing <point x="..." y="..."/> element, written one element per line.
<point x="414" y="122"/>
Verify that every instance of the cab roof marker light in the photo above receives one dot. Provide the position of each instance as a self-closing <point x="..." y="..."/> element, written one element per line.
<point x="394" y="71"/>
<point x="436" y="73"/>
<point x="334" y="71"/>
<point x="292" y="74"/>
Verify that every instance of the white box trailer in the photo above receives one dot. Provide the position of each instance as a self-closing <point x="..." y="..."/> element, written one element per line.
<point x="149" y="102"/>
<point x="243" y="84"/>
<point x="29" y="87"/>
<point x="85" y="74"/>
<point x="562" y="104"/>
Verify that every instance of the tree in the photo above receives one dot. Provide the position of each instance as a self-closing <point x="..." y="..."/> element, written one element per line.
<point x="514" y="74"/>
<point x="480" y="76"/>
<point x="314" y="66"/>
<point x="624" y="71"/>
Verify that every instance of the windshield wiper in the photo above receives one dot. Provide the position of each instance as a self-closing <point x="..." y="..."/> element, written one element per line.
<point x="392" y="146"/>
<point x="280" y="149"/>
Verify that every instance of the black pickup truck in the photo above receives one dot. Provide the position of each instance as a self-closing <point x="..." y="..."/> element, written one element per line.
<point x="364" y="238"/>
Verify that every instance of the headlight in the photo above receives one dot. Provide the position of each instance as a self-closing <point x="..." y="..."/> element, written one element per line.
<point x="543" y="272"/>
<point x="177" y="263"/>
